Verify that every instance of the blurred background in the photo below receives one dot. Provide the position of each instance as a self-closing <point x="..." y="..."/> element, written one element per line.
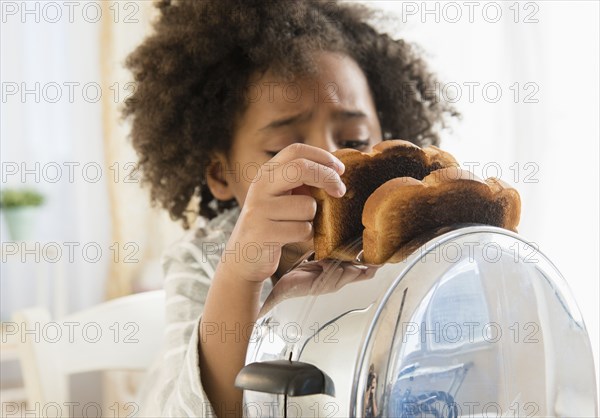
<point x="524" y="75"/>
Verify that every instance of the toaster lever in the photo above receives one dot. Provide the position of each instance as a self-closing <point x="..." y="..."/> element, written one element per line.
<point x="292" y="378"/>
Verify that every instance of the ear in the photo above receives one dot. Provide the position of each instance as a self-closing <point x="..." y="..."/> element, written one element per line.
<point x="216" y="180"/>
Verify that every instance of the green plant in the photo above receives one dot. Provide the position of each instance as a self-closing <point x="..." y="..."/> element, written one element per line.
<point x="14" y="198"/>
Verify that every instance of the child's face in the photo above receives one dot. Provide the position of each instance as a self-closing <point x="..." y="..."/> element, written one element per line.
<point x="334" y="110"/>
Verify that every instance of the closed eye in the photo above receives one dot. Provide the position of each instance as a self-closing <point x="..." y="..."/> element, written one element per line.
<point x="355" y="143"/>
<point x="358" y="144"/>
<point x="272" y="153"/>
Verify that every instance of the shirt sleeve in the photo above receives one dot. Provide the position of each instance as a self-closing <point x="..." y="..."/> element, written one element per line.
<point x="173" y="388"/>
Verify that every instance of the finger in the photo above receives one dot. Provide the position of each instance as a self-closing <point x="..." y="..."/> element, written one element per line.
<point x="306" y="172"/>
<point x="304" y="189"/>
<point x="292" y="208"/>
<point x="284" y="232"/>
<point x="318" y="155"/>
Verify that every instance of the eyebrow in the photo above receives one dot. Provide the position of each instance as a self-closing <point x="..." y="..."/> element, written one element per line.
<point x="279" y="123"/>
<point x="343" y="114"/>
<point x="348" y="114"/>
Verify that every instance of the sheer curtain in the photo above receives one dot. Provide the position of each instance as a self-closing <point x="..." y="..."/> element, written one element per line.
<point x="51" y="127"/>
<point x="542" y="134"/>
<point x="63" y="85"/>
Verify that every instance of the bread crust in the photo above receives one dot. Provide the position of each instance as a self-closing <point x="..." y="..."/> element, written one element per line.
<point x="337" y="222"/>
<point x="403" y="208"/>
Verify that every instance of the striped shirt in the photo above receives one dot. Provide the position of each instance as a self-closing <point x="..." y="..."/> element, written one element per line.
<point x="172" y="387"/>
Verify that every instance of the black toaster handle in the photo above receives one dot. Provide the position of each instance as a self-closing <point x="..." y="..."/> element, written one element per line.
<point x="292" y="378"/>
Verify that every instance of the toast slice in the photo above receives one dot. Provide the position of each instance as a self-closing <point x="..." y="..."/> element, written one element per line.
<point x="404" y="208"/>
<point x="337" y="222"/>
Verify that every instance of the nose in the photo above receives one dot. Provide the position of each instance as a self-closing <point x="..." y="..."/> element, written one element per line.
<point x="324" y="141"/>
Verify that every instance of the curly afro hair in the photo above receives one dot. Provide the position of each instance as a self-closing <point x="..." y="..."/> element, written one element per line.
<point x="190" y="71"/>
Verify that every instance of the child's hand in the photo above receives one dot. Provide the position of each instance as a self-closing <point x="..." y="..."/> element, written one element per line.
<point x="279" y="210"/>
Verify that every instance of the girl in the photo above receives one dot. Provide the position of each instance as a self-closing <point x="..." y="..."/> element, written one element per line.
<point x="241" y="103"/>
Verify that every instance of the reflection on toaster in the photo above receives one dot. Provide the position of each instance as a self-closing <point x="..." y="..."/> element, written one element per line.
<point x="466" y="324"/>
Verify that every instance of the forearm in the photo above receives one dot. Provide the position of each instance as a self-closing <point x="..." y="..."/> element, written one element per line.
<point x="224" y="332"/>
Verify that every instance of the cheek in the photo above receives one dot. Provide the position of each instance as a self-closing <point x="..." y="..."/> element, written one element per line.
<point x="242" y="175"/>
<point x="247" y="171"/>
<point x="376" y="130"/>
<point x="239" y="190"/>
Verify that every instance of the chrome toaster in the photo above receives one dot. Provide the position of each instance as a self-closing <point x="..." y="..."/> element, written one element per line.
<point x="472" y="322"/>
